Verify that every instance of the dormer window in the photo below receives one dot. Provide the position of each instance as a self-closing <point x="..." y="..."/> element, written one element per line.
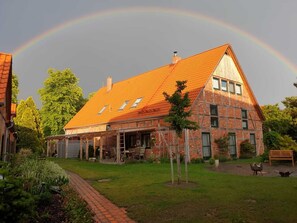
<point x="124" y="105"/>
<point x="102" y="110"/>
<point x="137" y="101"/>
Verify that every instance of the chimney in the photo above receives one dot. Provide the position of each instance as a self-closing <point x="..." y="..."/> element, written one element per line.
<point x="108" y="83"/>
<point x="175" y="58"/>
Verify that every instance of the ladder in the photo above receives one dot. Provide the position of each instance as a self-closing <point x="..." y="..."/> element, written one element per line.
<point x="122" y="141"/>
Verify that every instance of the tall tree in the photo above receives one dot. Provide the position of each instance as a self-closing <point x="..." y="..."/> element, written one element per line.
<point x="28" y="125"/>
<point x="15" y="89"/>
<point x="291" y="108"/>
<point x="276" y="119"/>
<point x="178" y="117"/>
<point x="61" y="99"/>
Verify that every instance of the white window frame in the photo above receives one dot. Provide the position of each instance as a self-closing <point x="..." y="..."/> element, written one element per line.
<point x="102" y="110"/>
<point x="136" y="102"/>
<point x="124" y="105"/>
<point x="216" y="83"/>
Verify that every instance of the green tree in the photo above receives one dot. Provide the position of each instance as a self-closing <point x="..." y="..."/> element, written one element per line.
<point x="291" y="108"/>
<point x="276" y="119"/>
<point x="28" y="125"/>
<point x="61" y="99"/>
<point x="15" y="89"/>
<point x="178" y="117"/>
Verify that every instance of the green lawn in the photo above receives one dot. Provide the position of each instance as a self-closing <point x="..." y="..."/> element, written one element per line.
<point x="215" y="197"/>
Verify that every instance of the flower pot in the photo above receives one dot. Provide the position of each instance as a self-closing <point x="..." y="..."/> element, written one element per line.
<point x="217" y="162"/>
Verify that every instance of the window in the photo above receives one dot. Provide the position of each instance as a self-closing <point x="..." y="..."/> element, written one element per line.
<point x="253" y="140"/>
<point x="146" y="140"/>
<point x="238" y="89"/>
<point x="232" y="87"/>
<point x="214" y="116"/>
<point x="232" y="144"/>
<point x="216" y="83"/>
<point x="137" y="101"/>
<point x="124" y="105"/>
<point x="244" y="117"/>
<point x="102" y="110"/>
<point x="206" y="146"/>
<point x="224" y="85"/>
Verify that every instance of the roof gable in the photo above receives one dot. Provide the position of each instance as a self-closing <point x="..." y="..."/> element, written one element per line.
<point x="149" y="86"/>
<point x="5" y="72"/>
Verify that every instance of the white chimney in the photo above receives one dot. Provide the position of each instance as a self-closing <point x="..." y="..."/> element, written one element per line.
<point x="175" y="58"/>
<point x="108" y="83"/>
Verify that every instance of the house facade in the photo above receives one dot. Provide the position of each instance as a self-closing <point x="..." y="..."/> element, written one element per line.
<point x="7" y="133"/>
<point x="130" y="114"/>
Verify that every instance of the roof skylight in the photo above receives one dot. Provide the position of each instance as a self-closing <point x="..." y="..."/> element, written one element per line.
<point x="102" y="110"/>
<point x="136" y="102"/>
<point x="124" y="105"/>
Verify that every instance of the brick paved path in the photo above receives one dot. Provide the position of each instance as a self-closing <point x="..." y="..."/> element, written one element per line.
<point x="104" y="210"/>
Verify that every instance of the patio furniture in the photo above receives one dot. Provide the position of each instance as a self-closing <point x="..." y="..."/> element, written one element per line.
<point x="281" y="155"/>
<point x="139" y="153"/>
<point x="256" y="168"/>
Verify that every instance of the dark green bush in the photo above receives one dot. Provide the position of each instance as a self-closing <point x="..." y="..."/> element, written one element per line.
<point x="247" y="150"/>
<point x="16" y="204"/>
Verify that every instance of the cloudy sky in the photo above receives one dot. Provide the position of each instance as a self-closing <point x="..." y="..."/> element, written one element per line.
<point x="98" y="38"/>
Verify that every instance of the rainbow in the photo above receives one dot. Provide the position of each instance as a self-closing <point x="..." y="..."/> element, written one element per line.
<point x="170" y="11"/>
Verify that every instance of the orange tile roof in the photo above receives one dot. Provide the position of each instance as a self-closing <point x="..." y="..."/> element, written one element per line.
<point x="5" y="70"/>
<point x="150" y="86"/>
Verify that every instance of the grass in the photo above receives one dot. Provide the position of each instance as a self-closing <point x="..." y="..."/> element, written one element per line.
<point x="215" y="197"/>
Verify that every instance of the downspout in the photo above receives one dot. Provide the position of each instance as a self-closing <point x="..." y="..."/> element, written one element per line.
<point x="6" y="138"/>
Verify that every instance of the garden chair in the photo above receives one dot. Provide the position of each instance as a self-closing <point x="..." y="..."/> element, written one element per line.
<point x="257" y="168"/>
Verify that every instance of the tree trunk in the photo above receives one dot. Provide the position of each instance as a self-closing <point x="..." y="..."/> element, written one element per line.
<point x="186" y="154"/>
<point x="171" y="165"/>
<point x="178" y="161"/>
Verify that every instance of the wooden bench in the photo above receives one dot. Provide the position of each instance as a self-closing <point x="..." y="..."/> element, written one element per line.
<point x="281" y="155"/>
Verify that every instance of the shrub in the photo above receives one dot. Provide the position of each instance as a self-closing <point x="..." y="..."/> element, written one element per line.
<point x="197" y="160"/>
<point x="222" y="144"/>
<point x="16" y="204"/>
<point x="211" y="161"/>
<point x="272" y="140"/>
<point x="247" y="150"/>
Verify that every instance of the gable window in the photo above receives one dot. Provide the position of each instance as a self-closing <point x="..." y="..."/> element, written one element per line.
<point x="136" y="102"/>
<point x="124" y="105"/>
<point x="238" y="89"/>
<point x="244" y="117"/>
<point x="214" y="116"/>
<point x="216" y="83"/>
<point x="232" y="87"/>
<point x="224" y="85"/>
<point x="102" y="110"/>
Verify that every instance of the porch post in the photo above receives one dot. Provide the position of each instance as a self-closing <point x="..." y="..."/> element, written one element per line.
<point x="66" y="148"/>
<point x="94" y="146"/>
<point x="57" y="147"/>
<point x="48" y="148"/>
<point x="87" y="149"/>
<point x="118" y="148"/>
<point x="80" y="149"/>
<point x="101" y="149"/>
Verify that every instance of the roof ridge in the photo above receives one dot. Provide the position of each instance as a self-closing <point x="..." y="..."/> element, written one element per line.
<point x="145" y="72"/>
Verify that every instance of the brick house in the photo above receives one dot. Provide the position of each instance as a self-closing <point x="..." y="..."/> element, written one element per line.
<point x="130" y="113"/>
<point x="7" y="110"/>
